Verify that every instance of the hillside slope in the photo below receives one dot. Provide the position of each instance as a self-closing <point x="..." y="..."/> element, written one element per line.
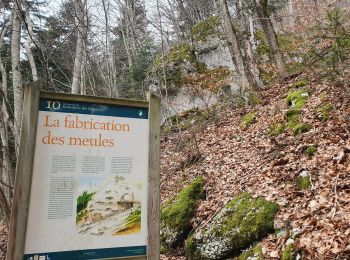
<point x="238" y="158"/>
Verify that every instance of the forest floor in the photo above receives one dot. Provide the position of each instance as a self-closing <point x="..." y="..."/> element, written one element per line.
<point x="237" y="158"/>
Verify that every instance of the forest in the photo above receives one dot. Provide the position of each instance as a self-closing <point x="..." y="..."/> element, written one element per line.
<point x="255" y="112"/>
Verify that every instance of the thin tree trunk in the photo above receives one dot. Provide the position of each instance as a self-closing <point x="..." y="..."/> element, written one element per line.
<point x="291" y="15"/>
<point x="80" y="17"/>
<point x="6" y="175"/>
<point x="266" y="23"/>
<point x="29" y="42"/>
<point x="234" y="45"/>
<point x="174" y="21"/>
<point x="246" y="34"/>
<point x="16" y="68"/>
<point x="125" y="41"/>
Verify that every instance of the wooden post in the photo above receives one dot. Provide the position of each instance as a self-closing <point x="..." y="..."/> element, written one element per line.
<point x="25" y="162"/>
<point x="153" y="245"/>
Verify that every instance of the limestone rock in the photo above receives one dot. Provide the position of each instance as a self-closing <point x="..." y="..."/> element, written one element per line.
<point x="238" y="225"/>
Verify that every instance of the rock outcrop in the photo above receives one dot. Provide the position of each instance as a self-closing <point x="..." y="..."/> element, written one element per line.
<point x="238" y="225"/>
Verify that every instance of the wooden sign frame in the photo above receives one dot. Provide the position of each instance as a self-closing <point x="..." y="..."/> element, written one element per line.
<point x="25" y="162"/>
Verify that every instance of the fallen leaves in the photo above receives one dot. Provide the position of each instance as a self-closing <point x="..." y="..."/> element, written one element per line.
<point x="236" y="160"/>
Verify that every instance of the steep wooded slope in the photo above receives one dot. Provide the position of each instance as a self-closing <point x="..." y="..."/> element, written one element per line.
<point x="236" y="158"/>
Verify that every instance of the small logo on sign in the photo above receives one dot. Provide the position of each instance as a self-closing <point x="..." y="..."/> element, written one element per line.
<point x="140" y="113"/>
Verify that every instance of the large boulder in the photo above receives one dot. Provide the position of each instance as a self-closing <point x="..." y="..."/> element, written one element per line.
<point x="238" y="225"/>
<point x="177" y="213"/>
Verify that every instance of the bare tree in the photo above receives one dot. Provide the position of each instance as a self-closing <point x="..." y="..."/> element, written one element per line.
<point x="30" y="41"/>
<point x="245" y="76"/>
<point x="247" y="35"/>
<point x="261" y="8"/>
<point x="81" y="23"/>
<point x="16" y="66"/>
<point x="6" y="174"/>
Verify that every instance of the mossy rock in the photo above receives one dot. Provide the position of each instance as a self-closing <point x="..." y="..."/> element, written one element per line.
<point x="177" y="213"/>
<point x="178" y="56"/>
<point x="249" y="119"/>
<point x="297" y="99"/>
<point x="291" y="114"/>
<point x="241" y="223"/>
<point x="253" y="253"/>
<point x="206" y="28"/>
<point x="179" y="53"/>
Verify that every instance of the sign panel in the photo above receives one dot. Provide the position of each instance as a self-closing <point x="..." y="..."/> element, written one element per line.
<point x="88" y="195"/>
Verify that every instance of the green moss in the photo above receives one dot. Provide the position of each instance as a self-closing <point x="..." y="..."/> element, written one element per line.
<point x="291" y="114"/>
<point x="190" y="248"/>
<point x="300" y="84"/>
<point x="243" y="206"/>
<point x="176" y="214"/>
<point x="324" y="112"/>
<point x="301" y="128"/>
<point x="242" y="222"/>
<point x="177" y="55"/>
<point x="206" y="28"/>
<point x="276" y="129"/>
<point x="249" y="119"/>
<point x="288" y="253"/>
<point x="297" y="99"/>
<point x="255" y="253"/>
<point x="303" y="182"/>
<point x="179" y="210"/>
<point x="311" y="150"/>
<point x="180" y="53"/>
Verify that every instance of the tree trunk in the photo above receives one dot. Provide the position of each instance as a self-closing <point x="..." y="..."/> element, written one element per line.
<point x="16" y="67"/>
<point x="7" y="173"/>
<point x="246" y="81"/>
<point x="29" y="42"/>
<point x="261" y="9"/>
<point x="246" y="35"/>
<point x="291" y="15"/>
<point x="107" y="47"/>
<point x="80" y="18"/>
